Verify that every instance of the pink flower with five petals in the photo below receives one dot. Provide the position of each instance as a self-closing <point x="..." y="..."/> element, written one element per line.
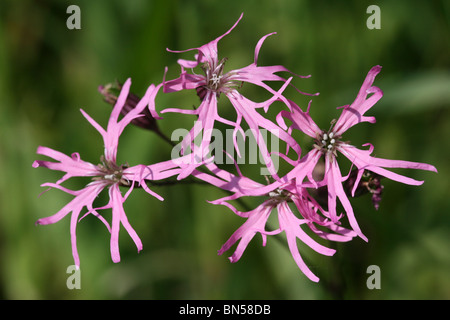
<point x="329" y="143"/>
<point x="214" y="82"/>
<point x="310" y="215"/>
<point x="106" y="175"/>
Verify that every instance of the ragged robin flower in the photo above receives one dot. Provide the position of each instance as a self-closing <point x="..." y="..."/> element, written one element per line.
<point x="282" y="200"/>
<point x="105" y="175"/>
<point x="213" y="82"/>
<point x="328" y="143"/>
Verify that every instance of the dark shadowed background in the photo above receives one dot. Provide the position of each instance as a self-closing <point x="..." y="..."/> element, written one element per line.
<point x="48" y="72"/>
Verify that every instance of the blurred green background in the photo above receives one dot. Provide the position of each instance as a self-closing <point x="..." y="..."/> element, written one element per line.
<point x="48" y="72"/>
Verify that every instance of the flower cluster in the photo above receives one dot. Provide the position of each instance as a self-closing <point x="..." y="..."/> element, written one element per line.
<point x="303" y="213"/>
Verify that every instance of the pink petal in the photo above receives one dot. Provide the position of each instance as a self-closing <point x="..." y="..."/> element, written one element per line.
<point x="300" y="120"/>
<point x="119" y="217"/>
<point x="307" y="207"/>
<point x="94" y="123"/>
<point x="84" y="198"/>
<point x="363" y="161"/>
<point x="186" y="81"/>
<point x="255" y="223"/>
<point x="336" y="191"/>
<point x="291" y="225"/>
<point x="116" y="126"/>
<point x="354" y="113"/>
<point x="246" y="109"/>
<point x="74" y="166"/>
<point x="140" y="173"/>
<point x="117" y="209"/>
<point x="207" y="52"/>
<point x="114" y="118"/>
<point x="259" y="74"/>
<point x="207" y="114"/>
<point x="304" y="168"/>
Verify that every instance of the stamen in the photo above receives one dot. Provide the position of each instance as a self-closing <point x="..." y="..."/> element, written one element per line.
<point x="110" y="172"/>
<point x="273" y="194"/>
<point x="278" y="196"/>
<point x="216" y="79"/>
<point x="327" y="141"/>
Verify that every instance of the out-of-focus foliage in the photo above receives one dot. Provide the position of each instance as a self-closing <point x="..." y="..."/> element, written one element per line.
<point x="47" y="73"/>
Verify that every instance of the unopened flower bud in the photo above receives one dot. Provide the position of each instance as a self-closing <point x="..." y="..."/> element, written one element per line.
<point x="369" y="183"/>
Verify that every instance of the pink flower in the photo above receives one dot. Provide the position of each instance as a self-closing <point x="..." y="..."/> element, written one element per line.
<point x="106" y="175"/>
<point x="289" y="223"/>
<point x="329" y="142"/>
<point x="214" y="82"/>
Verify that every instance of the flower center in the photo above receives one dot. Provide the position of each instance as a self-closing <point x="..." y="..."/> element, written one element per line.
<point x="278" y="196"/>
<point x="111" y="173"/>
<point x="216" y="80"/>
<point x="327" y="141"/>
